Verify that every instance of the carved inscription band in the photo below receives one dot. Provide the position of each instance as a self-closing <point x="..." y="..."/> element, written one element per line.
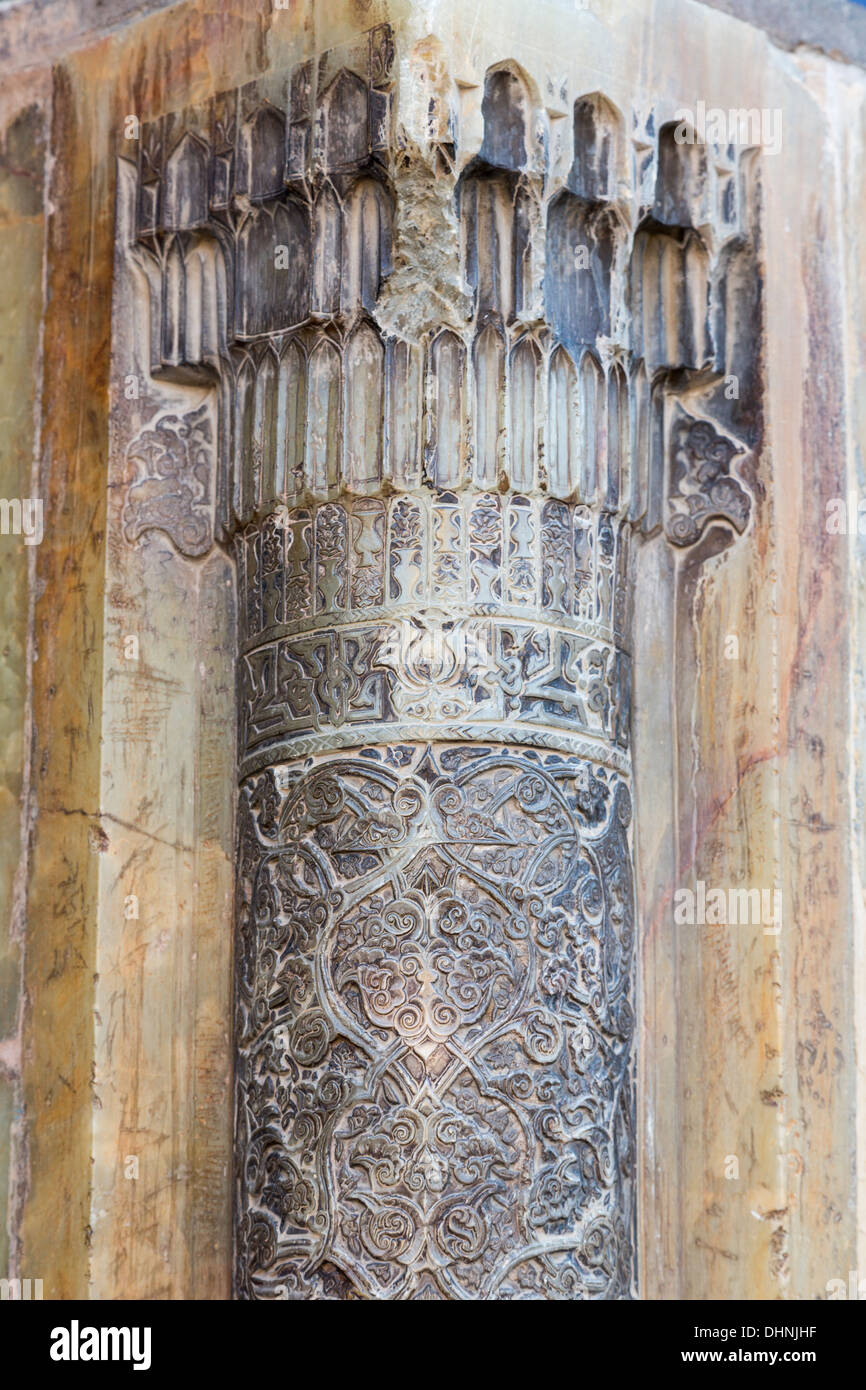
<point x="364" y="618"/>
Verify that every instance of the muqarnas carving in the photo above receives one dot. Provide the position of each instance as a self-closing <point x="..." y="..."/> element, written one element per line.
<point x="266" y="229"/>
<point x="433" y="499"/>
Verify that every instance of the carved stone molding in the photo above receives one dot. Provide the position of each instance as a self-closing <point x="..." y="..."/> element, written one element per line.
<point x="432" y="500"/>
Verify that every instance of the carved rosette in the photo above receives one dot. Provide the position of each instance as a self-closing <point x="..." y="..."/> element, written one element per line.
<point x="432" y="512"/>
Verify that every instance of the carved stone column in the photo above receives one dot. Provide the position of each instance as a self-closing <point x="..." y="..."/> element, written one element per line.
<point x="456" y="367"/>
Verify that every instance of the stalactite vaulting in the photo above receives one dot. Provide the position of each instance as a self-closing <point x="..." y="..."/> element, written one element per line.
<point x="432" y="530"/>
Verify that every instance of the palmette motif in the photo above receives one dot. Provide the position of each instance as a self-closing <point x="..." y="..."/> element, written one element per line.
<point x="434" y="1024"/>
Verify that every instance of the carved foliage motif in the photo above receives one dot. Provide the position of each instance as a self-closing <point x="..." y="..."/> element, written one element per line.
<point x="434" y="1024"/>
<point x="172" y="484"/>
<point x="701" y="485"/>
<point x="349" y="559"/>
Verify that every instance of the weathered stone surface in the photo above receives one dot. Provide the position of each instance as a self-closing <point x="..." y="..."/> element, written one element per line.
<point x="22" y="156"/>
<point x="485" y="372"/>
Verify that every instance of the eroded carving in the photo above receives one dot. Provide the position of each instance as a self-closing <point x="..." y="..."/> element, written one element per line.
<point x="172" y="486"/>
<point x="501" y="615"/>
<point x="266" y="231"/>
